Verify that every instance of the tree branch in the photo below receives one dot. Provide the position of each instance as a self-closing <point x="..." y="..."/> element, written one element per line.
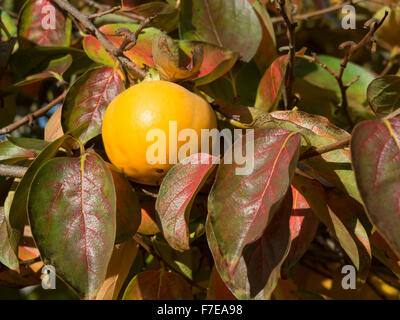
<point x="353" y="47"/>
<point x="12" y="171"/>
<point x="289" y="76"/>
<point x="30" y="117"/>
<point x="309" y="15"/>
<point x="110" y="48"/>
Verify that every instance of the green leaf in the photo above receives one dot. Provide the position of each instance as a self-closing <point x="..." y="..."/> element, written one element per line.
<point x="313" y="74"/>
<point x="88" y="99"/>
<point x="240" y="207"/>
<point x="175" y="199"/>
<point x="35" y="14"/>
<point x="158" y="285"/>
<point x="11" y="153"/>
<point x="375" y="150"/>
<point x="384" y="95"/>
<point x="72" y="214"/>
<point x="233" y="25"/>
<point x="30" y="144"/>
<point x="9" y="24"/>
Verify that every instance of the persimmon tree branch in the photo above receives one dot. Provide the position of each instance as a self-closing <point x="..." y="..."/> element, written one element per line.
<point x="31" y="116"/>
<point x="12" y="171"/>
<point x="313" y="14"/>
<point x="110" y="48"/>
<point x="291" y="27"/>
<point x="352" y="48"/>
<point x="106" y="7"/>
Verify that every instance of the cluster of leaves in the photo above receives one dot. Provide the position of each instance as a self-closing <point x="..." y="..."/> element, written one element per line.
<point x="243" y="237"/>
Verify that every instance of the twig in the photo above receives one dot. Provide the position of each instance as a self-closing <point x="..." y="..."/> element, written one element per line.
<point x="12" y="171"/>
<point x="309" y="15"/>
<point x="101" y="6"/>
<point x="318" y="151"/>
<point x="289" y="76"/>
<point x="139" y="240"/>
<point x="110" y="48"/>
<point x="31" y="116"/>
<point x="353" y="47"/>
<point x="103" y="13"/>
<point x="395" y="113"/>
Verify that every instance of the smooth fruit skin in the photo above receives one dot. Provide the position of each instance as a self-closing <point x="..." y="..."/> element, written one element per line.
<point x="145" y="106"/>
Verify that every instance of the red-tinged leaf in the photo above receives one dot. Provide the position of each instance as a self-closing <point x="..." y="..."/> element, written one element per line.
<point x="269" y="90"/>
<point x="266" y="53"/>
<point x="217" y="289"/>
<point x="128" y="207"/>
<point x="141" y="53"/>
<point x="10" y="153"/>
<point x="42" y="23"/>
<point x="333" y="167"/>
<point x="148" y="225"/>
<point x="88" y="99"/>
<point x="303" y="227"/>
<point x="216" y="62"/>
<point x="229" y="24"/>
<point x="175" y="199"/>
<point x="72" y="213"/>
<point x="158" y="285"/>
<point x="258" y="270"/>
<point x="171" y="64"/>
<point x="344" y="224"/>
<point x="375" y="151"/>
<point x="18" y="209"/>
<point x="241" y="206"/>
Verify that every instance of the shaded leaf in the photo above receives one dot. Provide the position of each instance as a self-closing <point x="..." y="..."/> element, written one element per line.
<point x="233" y="25"/>
<point x="382" y="251"/>
<point x="258" y="269"/>
<point x="120" y="263"/>
<point x="303" y="228"/>
<point x="384" y="95"/>
<point x="72" y="213"/>
<point x="217" y="289"/>
<point x="31" y="144"/>
<point x="35" y="14"/>
<point x="241" y="206"/>
<point x="171" y="64"/>
<point x="375" y="151"/>
<point x="216" y="62"/>
<point x="175" y="199"/>
<point x="166" y="15"/>
<point x="141" y="53"/>
<point x="345" y="225"/>
<point x="128" y="207"/>
<point x="266" y="53"/>
<point x="269" y="90"/>
<point x="88" y="98"/>
<point x="158" y="285"/>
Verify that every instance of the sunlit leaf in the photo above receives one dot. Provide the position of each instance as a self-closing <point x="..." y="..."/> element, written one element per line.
<point x="72" y="213"/>
<point x="233" y="25"/>
<point x="88" y="98"/>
